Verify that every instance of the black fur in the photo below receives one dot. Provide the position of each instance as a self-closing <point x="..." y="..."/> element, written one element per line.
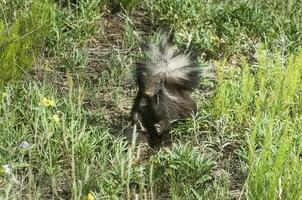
<point x="160" y="110"/>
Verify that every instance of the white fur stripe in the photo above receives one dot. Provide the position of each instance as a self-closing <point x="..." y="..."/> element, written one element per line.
<point x="170" y="95"/>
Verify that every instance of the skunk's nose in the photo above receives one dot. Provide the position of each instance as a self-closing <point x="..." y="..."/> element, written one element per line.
<point x="148" y="93"/>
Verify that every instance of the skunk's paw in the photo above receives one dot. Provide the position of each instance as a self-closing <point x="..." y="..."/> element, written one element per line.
<point x="157" y="128"/>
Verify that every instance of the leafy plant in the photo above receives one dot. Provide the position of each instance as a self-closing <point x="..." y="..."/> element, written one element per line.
<point x="263" y="103"/>
<point x="183" y="169"/>
<point x="127" y="5"/>
<point x="21" y="40"/>
<point x="223" y="29"/>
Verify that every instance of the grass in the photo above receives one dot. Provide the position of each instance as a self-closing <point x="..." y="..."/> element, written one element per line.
<point x="61" y="122"/>
<point x="263" y="104"/>
<point x="21" y="38"/>
<point x="229" y="28"/>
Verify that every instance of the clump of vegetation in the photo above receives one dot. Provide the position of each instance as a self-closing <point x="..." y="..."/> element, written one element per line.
<point x="69" y="31"/>
<point x="21" y="39"/>
<point x="184" y="170"/>
<point x="223" y="29"/>
<point x="263" y="104"/>
<point x="126" y="5"/>
<point x="63" y="155"/>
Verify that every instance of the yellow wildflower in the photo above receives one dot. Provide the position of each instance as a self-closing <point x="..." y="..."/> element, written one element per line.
<point x="215" y="39"/>
<point x="4" y="94"/>
<point x="55" y="118"/>
<point x="47" y="102"/>
<point x="90" y="196"/>
<point x="47" y="68"/>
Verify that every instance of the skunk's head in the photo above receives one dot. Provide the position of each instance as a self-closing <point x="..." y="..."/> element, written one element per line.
<point x="149" y="84"/>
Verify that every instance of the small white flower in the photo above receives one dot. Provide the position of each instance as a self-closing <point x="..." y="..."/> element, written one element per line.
<point x="24" y="145"/>
<point x="7" y="168"/>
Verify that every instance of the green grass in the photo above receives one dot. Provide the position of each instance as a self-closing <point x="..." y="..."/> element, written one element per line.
<point x="21" y="38"/>
<point x="228" y="28"/>
<point x="61" y="122"/>
<point x="263" y="104"/>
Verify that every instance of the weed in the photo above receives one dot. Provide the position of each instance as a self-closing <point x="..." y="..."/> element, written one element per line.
<point x="21" y="39"/>
<point x="223" y="29"/>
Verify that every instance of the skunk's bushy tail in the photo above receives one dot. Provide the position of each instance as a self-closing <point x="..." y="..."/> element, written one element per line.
<point x="177" y="69"/>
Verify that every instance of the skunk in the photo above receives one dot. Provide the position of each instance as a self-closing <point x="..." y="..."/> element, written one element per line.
<point x="165" y="83"/>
